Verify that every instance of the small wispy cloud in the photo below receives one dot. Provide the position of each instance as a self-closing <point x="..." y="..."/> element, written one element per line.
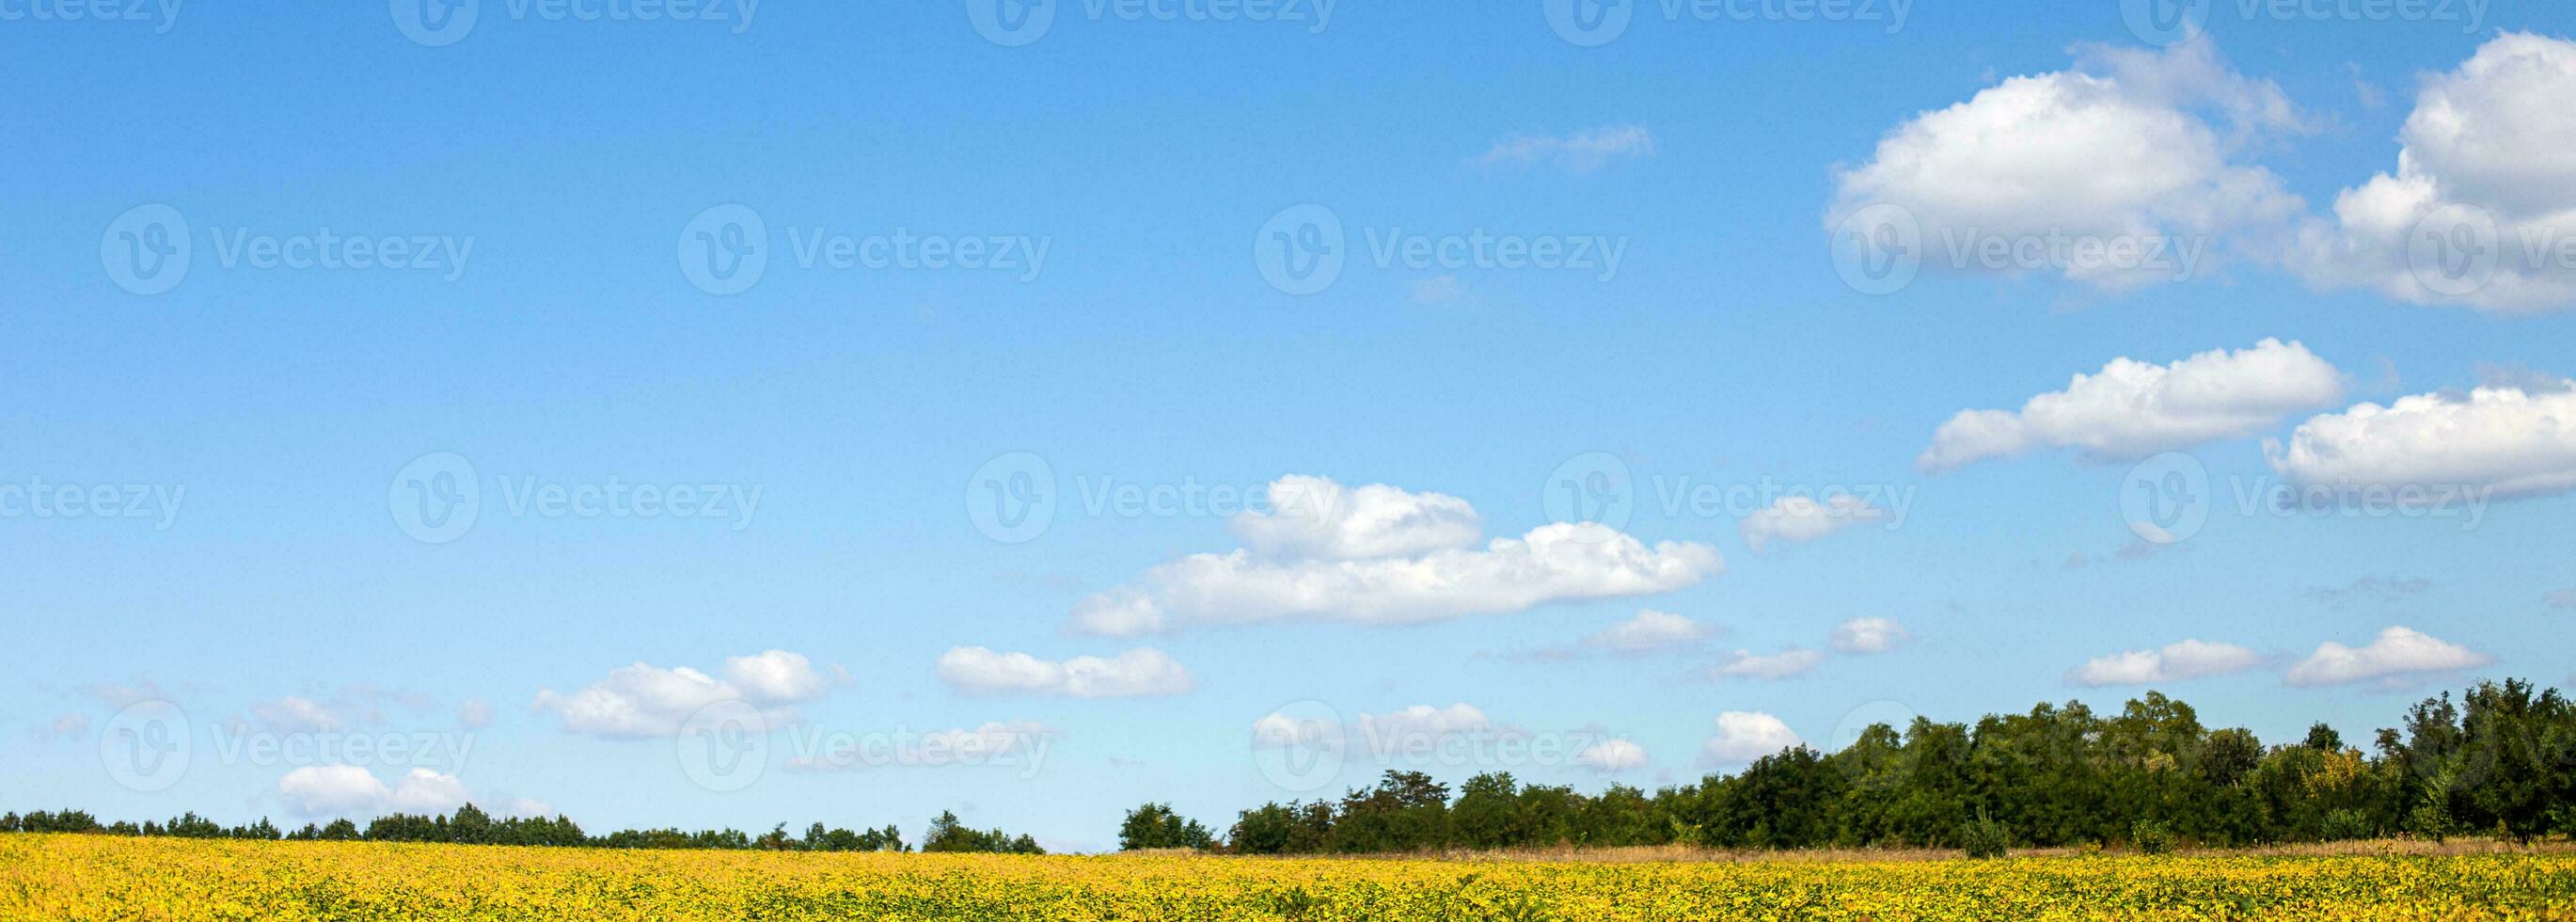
<point x="1580" y="152"/>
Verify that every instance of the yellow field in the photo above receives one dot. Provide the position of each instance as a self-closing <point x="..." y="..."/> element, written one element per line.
<point x="108" y="878"/>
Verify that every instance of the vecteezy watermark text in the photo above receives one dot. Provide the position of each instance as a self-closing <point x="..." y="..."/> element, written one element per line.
<point x="149" y="249"/>
<point x="438" y="23"/>
<point x="1014" y="23"/>
<point x="1302" y="250"/>
<point x="726" y="249"/>
<point x="38" y="498"/>
<point x="438" y="497"/>
<point x="162" y="14"/>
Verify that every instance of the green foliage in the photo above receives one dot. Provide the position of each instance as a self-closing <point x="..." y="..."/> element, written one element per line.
<point x="2500" y="757"/>
<point x="2152" y="837"/>
<point x="1983" y="837"/>
<point x="946" y="834"/>
<point x="1156" y="826"/>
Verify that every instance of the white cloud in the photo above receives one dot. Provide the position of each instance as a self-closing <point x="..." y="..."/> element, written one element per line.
<point x="1580" y="152"/>
<point x="1786" y="664"/>
<point x="348" y="790"/>
<point x="1650" y="631"/>
<point x="2185" y="660"/>
<point x="2395" y="653"/>
<point x="1860" y="636"/>
<point x="1397" y="730"/>
<point x="1385" y="556"/>
<point x="295" y="715"/>
<point x="1612" y="755"/>
<point x="1315" y="518"/>
<point x="1136" y="673"/>
<point x="2132" y="409"/>
<point x="2125" y="146"/>
<point x="2493" y="141"/>
<point x="1743" y="736"/>
<point x="643" y="700"/>
<point x="474" y="714"/>
<point x="776" y="675"/>
<point x="1799" y="519"/>
<point x="2515" y="442"/>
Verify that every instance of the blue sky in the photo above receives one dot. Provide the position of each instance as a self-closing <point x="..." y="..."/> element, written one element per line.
<point x="266" y="426"/>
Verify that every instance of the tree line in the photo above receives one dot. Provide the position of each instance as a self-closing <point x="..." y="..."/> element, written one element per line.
<point x="2499" y="760"/>
<point x="470" y="825"/>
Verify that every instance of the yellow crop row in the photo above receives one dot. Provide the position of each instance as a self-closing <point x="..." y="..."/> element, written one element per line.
<point x="115" y="878"/>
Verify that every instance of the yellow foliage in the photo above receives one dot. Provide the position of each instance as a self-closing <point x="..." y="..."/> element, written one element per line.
<point x="117" y="878"/>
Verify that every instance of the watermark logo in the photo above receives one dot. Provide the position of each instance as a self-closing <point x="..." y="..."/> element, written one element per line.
<point x="1590" y="23"/>
<point x="146" y="746"/>
<point x="1015" y="23"/>
<point x="1878" y="249"/>
<point x="439" y="23"/>
<point x="1300" y="250"/>
<point x="2173" y="22"/>
<point x="1594" y="490"/>
<point x="435" y="23"/>
<point x="146" y="250"/>
<point x="1593" y="23"/>
<point x="1299" y="747"/>
<point x="1012" y="499"/>
<point x="436" y="498"/>
<point x="725" y="249"/>
<point x="2165" y="499"/>
<point x="1011" y="23"/>
<point x="1303" y="249"/>
<point x="162" y="14"/>
<point x="2166" y="22"/>
<point x="724" y="747"/>
<point x="2454" y="251"/>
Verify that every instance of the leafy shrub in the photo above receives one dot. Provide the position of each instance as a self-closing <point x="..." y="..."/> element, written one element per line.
<point x="2348" y="824"/>
<point x="1983" y="837"/>
<point x="2152" y="837"/>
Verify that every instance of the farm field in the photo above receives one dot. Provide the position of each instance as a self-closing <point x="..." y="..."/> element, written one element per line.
<point x="91" y="877"/>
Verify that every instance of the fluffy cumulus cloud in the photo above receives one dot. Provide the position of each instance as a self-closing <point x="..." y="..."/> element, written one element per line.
<point x="2481" y="210"/>
<point x="1580" y="152"/>
<point x="1786" y="664"/>
<point x="1799" y="519"/>
<point x="2132" y="409"/>
<point x="1404" y="559"/>
<point x="2127" y="146"/>
<point x="1863" y="636"/>
<point x="1315" y="518"/>
<point x="2507" y="439"/>
<point x="1743" y="736"/>
<point x="2188" y="659"/>
<point x="2396" y="654"/>
<point x="1141" y="672"/>
<point x="348" y="790"/>
<point x="1611" y="755"/>
<point x="643" y="700"/>
<point x="1650" y="631"/>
